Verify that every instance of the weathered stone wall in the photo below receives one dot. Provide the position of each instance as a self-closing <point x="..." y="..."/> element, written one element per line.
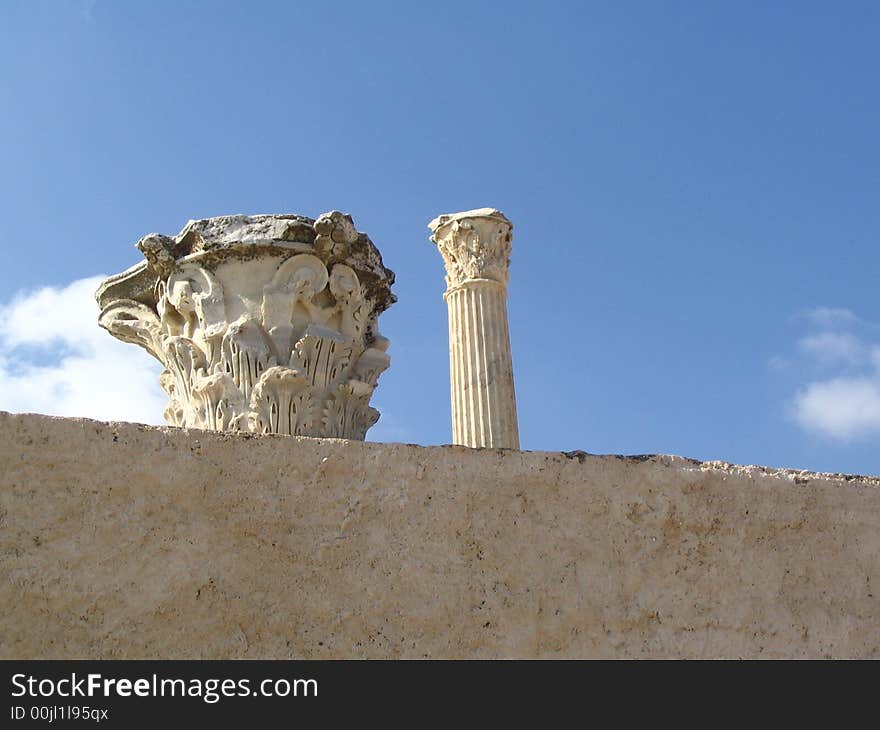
<point x="126" y="541"/>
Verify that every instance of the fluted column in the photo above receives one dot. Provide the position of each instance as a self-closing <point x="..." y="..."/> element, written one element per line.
<point x="475" y="246"/>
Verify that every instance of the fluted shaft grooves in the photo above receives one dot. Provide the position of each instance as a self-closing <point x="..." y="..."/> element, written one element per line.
<point x="476" y="246"/>
<point x="480" y="366"/>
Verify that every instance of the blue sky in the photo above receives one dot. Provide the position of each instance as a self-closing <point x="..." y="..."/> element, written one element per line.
<point x="694" y="190"/>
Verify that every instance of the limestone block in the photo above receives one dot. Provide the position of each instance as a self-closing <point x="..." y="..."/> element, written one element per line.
<point x="127" y="541"/>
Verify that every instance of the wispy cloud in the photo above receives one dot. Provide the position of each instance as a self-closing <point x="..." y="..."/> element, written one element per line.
<point x="55" y="359"/>
<point x="834" y="348"/>
<point x="827" y="317"/>
<point x="844" y="402"/>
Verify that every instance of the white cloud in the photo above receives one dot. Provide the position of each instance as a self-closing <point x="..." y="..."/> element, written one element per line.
<point x="833" y="348"/>
<point x="843" y="408"/>
<point x="844" y="405"/>
<point x="54" y="359"/>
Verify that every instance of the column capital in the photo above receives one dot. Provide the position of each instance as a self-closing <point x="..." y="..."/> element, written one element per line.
<point x="475" y="244"/>
<point x="265" y="323"/>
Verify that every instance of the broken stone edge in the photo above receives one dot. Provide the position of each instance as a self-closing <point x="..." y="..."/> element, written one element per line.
<point x="678" y="463"/>
<point x="209" y="241"/>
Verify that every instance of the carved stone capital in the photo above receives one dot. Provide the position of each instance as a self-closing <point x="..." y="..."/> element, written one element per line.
<point x="474" y="244"/>
<point x="266" y="324"/>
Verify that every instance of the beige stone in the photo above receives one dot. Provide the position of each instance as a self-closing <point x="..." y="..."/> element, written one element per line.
<point x="266" y="324"/>
<point x="475" y="246"/>
<point x="119" y="540"/>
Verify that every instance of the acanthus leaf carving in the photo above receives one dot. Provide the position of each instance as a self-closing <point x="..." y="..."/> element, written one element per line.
<point x="322" y="355"/>
<point x="347" y="410"/>
<point x="186" y="361"/>
<point x="281" y="403"/>
<point x="475" y="244"/>
<point x="259" y="334"/>
<point x="218" y="403"/>
<point x="174" y="411"/>
<point x="245" y="353"/>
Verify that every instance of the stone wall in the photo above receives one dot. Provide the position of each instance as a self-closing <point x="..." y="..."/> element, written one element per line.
<point x="127" y="541"/>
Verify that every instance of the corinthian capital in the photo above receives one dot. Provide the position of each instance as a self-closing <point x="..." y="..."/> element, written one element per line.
<point x="474" y="244"/>
<point x="264" y="323"/>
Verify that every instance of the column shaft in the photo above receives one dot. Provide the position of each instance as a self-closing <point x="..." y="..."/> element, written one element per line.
<point x="481" y="371"/>
<point x="475" y="246"/>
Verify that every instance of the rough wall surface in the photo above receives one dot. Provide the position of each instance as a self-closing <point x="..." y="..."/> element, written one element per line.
<point x="127" y="541"/>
